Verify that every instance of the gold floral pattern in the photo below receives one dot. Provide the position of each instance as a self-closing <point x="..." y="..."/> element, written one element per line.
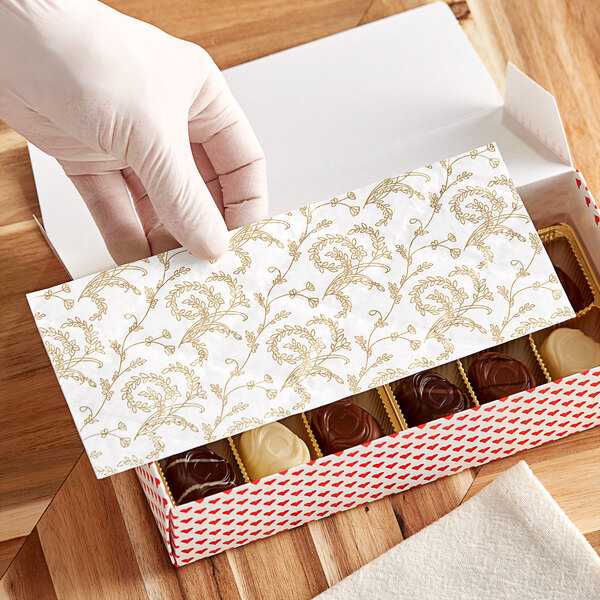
<point x="305" y="308"/>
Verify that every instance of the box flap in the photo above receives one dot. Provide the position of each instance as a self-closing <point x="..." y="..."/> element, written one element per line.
<point x="305" y="308"/>
<point x="536" y="110"/>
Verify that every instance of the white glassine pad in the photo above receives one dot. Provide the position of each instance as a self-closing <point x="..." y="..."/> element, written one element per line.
<point x="171" y="352"/>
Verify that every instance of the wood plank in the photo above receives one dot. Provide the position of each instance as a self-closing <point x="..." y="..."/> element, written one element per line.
<point x="28" y="265"/>
<point x="556" y="43"/>
<point x="423" y="505"/>
<point x="155" y="568"/>
<point x="213" y="575"/>
<point x="593" y="538"/>
<point x="569" y="469"/>
<point x="236" y="31"/>
<point x="39" y="444"/>
<point x="286" y="563"/>
<point x="85" y="542"/>
<point x="16" y="184"/>
<point x="19" y="519"/>
<point x="347" y="541"/>
<point x="28" y="576"/>
<point x="8" y="551"/>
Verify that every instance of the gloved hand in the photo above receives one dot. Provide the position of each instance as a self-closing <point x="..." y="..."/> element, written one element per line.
<point x="124" y="106"/>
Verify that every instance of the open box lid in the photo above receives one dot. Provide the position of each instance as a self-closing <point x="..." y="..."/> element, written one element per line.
<point x="171" y="352"/>
<point x="349" y="109"/>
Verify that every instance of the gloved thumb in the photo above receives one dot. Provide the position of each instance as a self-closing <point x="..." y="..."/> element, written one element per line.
<point x="183" y="203"/>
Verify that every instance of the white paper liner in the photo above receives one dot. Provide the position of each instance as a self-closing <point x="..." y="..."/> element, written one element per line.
<point x="172" y="352"/>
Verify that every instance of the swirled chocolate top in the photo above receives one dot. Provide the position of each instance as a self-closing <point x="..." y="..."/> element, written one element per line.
<point x="342" y="425"/>
<point x="428" y="396"/>
<point x="198" y="473"/>
<point x="495" y="375"/>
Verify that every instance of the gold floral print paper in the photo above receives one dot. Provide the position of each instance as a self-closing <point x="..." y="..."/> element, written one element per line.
<point x="171" y="352"/>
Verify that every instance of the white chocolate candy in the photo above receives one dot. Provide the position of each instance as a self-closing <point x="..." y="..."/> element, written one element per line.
<point x="568" y="351"/>
<point x="270" y="449"/>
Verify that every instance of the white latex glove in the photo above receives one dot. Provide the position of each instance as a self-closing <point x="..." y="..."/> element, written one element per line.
<point x="125" y="107"/>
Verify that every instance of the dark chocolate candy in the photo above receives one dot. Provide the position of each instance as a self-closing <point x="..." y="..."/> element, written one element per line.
<point x="571" y="289"/>
<point x="198" y="473"/>
<point x="342" y="425"/>
<point x="428" y="396"/>
<point x="495" y="375"/>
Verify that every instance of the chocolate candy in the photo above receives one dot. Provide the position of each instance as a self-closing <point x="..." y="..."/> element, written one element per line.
<point x="571" y="289"/>
<point x="270" y="449"/>
<point x="198" y="473"/>
<point x="342" y="425"/>
<point x="428" y="396"/>
<point x="495" y="375"/>
<point x="568" y="351"/>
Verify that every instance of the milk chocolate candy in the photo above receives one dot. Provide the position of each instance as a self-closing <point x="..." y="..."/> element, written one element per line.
<point x="495" y="375"/>
<point x="568" y="351"/>
<point x="573" y="292"/>
<point x="270" y="449"/>
<point x="198" y="473"/>
<point x="342" y="425"/>
<point x="428" y="396"/>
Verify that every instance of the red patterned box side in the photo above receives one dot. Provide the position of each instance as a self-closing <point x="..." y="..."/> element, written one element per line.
<point x="159" y="501"/>
<point x="586" y="221"/>
<point x="587" y="197"/>
<point x="386" y="466"/>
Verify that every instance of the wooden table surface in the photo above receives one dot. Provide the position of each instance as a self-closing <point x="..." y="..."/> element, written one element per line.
<point x="97" y="539"/>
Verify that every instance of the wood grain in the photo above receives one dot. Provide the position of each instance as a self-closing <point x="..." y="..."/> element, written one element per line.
<point x="97" y="539"/>
<point x="288" y="562"/>
<point x="567" y="467"/>
<point x="79" y="529"/>
<point x="28" y="576"/>
<point x="348" y="540"/>
<point x="421" y="506"/>
<point x="8" y="550"/>
<point x="593" y="538"/>
<point x="152" y="561"/>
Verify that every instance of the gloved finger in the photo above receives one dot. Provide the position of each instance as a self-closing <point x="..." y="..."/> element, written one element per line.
<point x="166" y="168"/>
<point x="219" y="124"/>
<point x="242" y="174"/>
<point x="159" y="239"/>
<point x="109" y="203"/>
<point x="209" y="176"/>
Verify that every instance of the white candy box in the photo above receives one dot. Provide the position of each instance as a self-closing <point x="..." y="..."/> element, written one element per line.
<point x="422" y="269"/>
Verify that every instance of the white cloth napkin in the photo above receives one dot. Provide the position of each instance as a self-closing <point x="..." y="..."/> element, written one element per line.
<point x="511" y="540"/>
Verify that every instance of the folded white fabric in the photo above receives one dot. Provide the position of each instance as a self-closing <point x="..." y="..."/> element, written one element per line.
<point x="511" y="540"/>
